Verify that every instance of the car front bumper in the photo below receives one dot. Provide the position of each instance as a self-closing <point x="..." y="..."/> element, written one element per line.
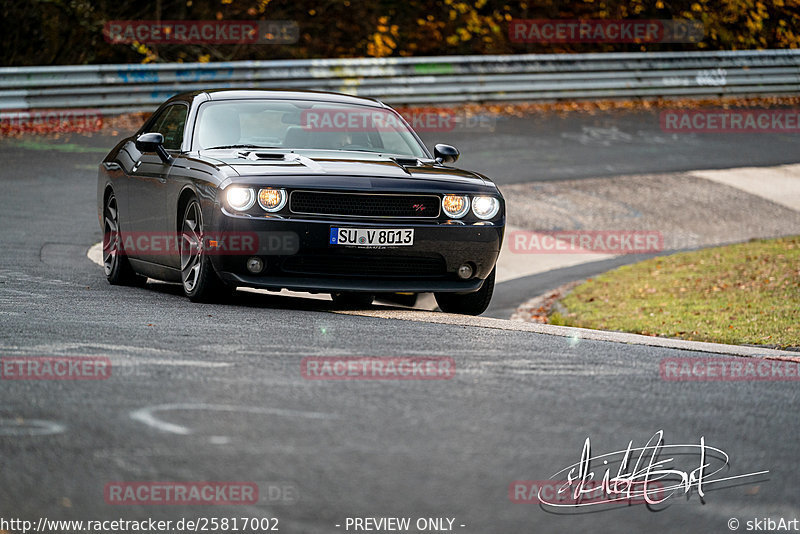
<point x="298" y="255"/>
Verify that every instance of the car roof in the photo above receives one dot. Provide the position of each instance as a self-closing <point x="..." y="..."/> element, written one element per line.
<point x="279" y="94"/>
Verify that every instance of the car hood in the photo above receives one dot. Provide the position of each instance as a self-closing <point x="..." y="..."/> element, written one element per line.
<point x="271" y="163"/>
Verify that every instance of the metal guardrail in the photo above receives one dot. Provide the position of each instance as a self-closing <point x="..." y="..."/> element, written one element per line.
<point x="419" y="80"/>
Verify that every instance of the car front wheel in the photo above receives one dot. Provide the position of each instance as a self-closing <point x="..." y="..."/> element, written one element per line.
<point x="200" y="282"/>
<point x="468" y="303"/>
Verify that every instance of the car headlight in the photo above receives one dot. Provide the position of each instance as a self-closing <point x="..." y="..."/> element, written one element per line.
<point x="485" y="207"/>
<point x="272" y="199"/>
<point x="455" y="206"/>
<point x="240" y="198"/>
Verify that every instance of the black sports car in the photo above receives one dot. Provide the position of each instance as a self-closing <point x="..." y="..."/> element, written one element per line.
<point x="308" y="191"/>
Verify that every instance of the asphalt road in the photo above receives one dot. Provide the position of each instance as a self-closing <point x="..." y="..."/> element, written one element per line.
<point x="222" y="387"/>
<point x="583" y="145"/>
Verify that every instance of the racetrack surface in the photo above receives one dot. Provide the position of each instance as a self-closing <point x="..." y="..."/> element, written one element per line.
<point x="605" y="143"/>
<point x="520" y="404"/>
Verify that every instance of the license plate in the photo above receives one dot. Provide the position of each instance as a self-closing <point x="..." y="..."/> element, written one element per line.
<point x="372" y="237"/>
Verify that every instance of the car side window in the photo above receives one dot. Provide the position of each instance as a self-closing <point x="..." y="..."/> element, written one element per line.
<point x="155" y="121"/>
<point x="170" y="124"/>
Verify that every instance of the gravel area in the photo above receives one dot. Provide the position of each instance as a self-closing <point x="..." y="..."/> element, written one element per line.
<point x="690" y="212"/>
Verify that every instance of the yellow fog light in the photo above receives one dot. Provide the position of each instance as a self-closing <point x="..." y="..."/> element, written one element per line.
<point x="272" y="199"/>
<point x="455" y="206"/>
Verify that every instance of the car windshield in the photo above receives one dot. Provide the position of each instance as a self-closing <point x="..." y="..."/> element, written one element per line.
<point x="300" y="124"/>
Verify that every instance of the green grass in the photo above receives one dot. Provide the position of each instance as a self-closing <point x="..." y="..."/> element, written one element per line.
<point x="740" y="294"/>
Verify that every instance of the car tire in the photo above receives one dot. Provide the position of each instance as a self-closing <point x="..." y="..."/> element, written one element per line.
<point x="116" y="266"/>
<point x="468" y="303"/>
<point x="198" y="278"/>
<point x="352" y="301"/>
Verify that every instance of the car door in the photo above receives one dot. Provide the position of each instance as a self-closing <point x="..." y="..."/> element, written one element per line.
<point x="153" y="226"/>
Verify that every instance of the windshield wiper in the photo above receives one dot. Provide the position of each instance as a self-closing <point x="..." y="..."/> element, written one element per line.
<point x="239" y="146"/>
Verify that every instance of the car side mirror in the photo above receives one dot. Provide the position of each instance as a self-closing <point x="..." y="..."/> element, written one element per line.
<point x="445" y="154"/>
<point x="153" y="142"/>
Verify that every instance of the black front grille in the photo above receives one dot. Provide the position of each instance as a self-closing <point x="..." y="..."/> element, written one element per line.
<point x="366" y="266"/>
<point x="364" y="205"/>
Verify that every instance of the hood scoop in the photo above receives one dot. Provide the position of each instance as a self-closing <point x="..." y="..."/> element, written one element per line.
<point x="271" y="157"/>
<point x="281" y="159"/>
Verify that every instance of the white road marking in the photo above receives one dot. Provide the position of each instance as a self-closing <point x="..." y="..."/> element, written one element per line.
<point x="68" y="348"/>
<point x="179" y="363"/>
<point x="29" y="427"/>
<point x="17" y="276"/>
<point x="425" y="302"/>
<point x="120" y="355"/>
<point x="574" y="335"/>
<point x="780" y="184"/>
<point x="148" y="417"/>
